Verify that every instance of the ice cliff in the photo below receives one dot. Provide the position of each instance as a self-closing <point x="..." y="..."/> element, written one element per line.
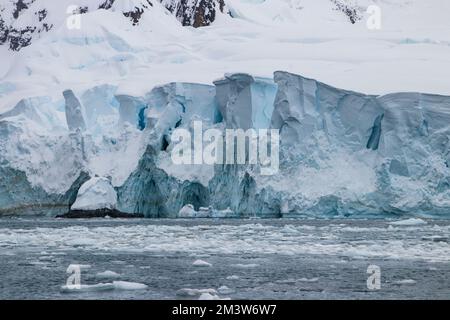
<point x="342" y="153"/>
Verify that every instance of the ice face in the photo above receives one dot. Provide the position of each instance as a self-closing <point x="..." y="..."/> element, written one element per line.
<point x="388" y="140"/>
<point x="100" y="106"/>
<point x="342" y="152"/>
<point x="246" y="102"/>
<point x="74" y="113"/>
<point x="41" y="161"/>
<point x="185" y="101"/>
<point x="420" y="120"/>
<point x="130" y="110"/>
<point x="305" y="108"/>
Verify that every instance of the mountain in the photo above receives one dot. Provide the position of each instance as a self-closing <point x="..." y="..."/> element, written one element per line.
<point x="96" y="105"/>
<point x="23" y="20"/>
<point x="315" y="38"/>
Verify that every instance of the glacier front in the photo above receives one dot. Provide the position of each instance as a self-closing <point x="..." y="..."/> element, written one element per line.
<point x="342" y="153"/>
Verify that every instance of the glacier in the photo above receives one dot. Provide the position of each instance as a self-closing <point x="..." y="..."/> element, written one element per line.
<point x="343" y="153"/>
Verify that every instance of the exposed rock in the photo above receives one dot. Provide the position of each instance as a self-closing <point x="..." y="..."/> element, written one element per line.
<point x="99" y="213"/>
<point x="195" y="13"/>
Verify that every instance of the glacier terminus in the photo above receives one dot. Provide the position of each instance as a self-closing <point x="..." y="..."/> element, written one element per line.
<point x="342" y="153"/>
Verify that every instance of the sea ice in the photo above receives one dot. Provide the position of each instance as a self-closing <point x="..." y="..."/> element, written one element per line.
<point x="406" y="281"/>
<point x="186" y="292"/>
<point x="87" y="288"/>
<point x="125" y="285"/>
<point x="208" y="296"/>
<point x="409" y="222"/>
<point x="201" y="263"/>
<point x="225" y="290"/>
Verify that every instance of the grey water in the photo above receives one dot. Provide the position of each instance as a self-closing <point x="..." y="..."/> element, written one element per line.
<point x="254" y="259"/>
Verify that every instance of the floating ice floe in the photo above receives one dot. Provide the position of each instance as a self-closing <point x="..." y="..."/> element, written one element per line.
<point x="125" y="285"/>
<point x="115" y="285"/>
<point x="225" y="290"/>
<point x="209" y="296"/>
<point x="308" y="280"/>
<point x="87" y="287"/>
<point x="406" y="281"/>
<point x="201" y="263"/>
<point x="409" y="222"/>
<point x="187" y="292"/>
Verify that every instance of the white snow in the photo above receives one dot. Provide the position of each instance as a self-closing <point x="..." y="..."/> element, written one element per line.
<point x="306" y="37"/>
<point x="187" y="211"/>
<point x="97" y="193"/>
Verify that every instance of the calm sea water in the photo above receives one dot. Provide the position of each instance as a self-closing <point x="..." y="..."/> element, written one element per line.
<point x="242" y="259"/>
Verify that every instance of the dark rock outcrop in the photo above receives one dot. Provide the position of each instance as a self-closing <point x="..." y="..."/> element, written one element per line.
<point x="100" y="213"/>
<point x="197" y="14"/>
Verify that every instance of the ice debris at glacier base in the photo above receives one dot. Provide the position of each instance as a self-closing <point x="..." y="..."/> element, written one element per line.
<point x="188" y="211"/>
<point x="342" y="153"/>
<point x="97" y="193"/>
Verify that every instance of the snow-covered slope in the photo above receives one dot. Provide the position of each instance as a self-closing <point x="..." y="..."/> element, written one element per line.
<point x="22" y="21"/>
<point x="102" y="100"/>
<point x="309" y="37"/>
